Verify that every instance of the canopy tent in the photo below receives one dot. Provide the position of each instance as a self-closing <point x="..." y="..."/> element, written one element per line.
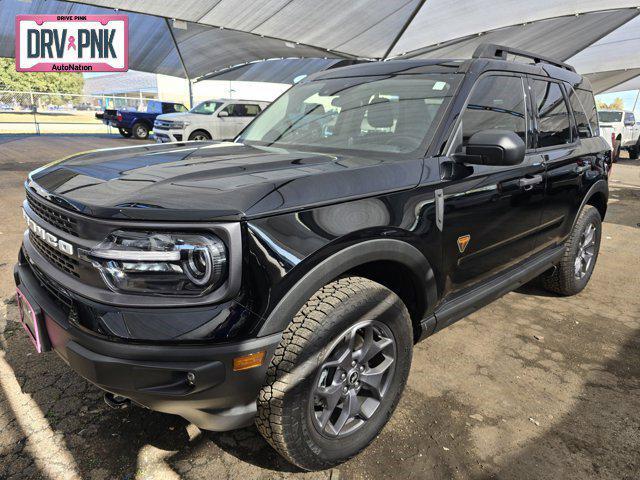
<point x="598" y="37"/>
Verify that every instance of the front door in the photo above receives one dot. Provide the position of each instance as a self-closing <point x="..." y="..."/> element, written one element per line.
<point x="491" y="214"/>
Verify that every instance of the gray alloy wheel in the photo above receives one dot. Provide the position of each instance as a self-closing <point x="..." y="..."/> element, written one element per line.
<point x="337" y="375"/>
<point x="140" y="131"/>
<point x="586" y="251"/>
<point x="574" y="270"/>
<point x="199" y="136"/>
<point x="353" y="379"/>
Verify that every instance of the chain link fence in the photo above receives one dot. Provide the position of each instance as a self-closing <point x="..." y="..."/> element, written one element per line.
<point x="46" y="112"/>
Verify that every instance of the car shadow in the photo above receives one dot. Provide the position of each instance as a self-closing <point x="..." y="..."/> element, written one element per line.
<point x="97" y="436"/>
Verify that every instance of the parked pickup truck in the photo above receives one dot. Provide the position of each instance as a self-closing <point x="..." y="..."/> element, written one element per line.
<point x="138" y="123"/>
<point x="620" y="130"/>
<point x="212" y="119"/>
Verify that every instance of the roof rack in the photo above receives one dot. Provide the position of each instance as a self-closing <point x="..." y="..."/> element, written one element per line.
<point x="490" y="50"/>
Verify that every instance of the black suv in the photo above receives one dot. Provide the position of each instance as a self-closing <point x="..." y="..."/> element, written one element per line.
<point x="284" y="278"/>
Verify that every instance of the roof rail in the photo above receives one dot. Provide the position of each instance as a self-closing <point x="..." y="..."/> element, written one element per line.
<point x="490" y="50"/>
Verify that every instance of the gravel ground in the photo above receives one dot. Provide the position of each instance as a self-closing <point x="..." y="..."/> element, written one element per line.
<point x="533" y="386"/>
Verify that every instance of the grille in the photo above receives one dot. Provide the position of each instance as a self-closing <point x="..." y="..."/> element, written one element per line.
<point x="58" y="259"/>
<point x="57" y="293"/>
<point x="55" y="218"/>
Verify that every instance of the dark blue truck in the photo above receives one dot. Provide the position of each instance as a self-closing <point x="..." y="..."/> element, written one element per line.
<point x="139" y="124"/>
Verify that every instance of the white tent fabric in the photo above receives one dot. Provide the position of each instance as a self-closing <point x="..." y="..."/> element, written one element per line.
<point x="601" y="38"/>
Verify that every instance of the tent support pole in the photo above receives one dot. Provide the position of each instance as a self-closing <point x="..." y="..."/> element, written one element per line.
<point x="404" y="27"/>
<point x="184" y="67"/>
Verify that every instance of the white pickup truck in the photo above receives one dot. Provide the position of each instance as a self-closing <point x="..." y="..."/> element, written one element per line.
<point x="620" y="130"/>
<point x="220" y="119"/>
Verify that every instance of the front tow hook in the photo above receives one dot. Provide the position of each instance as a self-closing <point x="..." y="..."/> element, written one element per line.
<point x="117" y="402"/>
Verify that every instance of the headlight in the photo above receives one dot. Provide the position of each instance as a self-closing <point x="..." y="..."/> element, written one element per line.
<point x="179" y="125"/>
<point x="161" y="263"/>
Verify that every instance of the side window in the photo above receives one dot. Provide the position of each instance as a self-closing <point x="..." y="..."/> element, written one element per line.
<point x="251" y="110"/>
<point x="553" y="116"/>
<point x="629" y="119"/>
<point x="230" y="109"/>
<point x="582" y="121"/>
<point x="496" y="103"/>
<point x="589" y="105"/>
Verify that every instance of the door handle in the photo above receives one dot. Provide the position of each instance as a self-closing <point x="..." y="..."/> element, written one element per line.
<point x="528" y="183"/>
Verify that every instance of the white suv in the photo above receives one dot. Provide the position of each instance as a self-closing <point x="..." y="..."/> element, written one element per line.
<point x="620" y="130"/>
<point x="209" y="120"/>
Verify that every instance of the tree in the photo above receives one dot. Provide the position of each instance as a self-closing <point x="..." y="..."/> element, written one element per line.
<point x="617" y="104"/>
<point x="63" y="82"/>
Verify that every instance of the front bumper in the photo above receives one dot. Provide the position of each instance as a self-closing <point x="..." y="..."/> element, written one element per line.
<point x="155" y="376"/>
<point x="164" y="136"/>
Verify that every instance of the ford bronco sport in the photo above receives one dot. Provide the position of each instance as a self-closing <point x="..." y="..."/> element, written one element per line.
<point x="284" y="278"/>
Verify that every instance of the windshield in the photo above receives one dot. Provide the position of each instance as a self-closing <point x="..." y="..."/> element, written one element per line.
<point x="610" y="117"/>
<point x="379" y="114"/>
<point x="206" y="108"/>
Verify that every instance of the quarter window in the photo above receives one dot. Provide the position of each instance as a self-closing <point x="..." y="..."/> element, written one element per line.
<point x="496" y="103"/>
<point x="553" y="116"/>
<point x="589" y="104"/>
<point x="582" y="122"/>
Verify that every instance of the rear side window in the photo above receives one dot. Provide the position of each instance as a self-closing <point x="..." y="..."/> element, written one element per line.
<point x="154" y="107"/>
<point x="585" y="130"/>
<point x="553" y="116"/>
<point x="242" y="110"/>
<point x="496" y="103"/>
<point x="589" y="104"/>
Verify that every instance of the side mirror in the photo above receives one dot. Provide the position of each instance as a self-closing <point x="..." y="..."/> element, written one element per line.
<point x="223" y="113"/>
<point x="493" y="147"/>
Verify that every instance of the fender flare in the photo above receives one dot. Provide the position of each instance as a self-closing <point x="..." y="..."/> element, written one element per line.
<point x="343" y="261"/>
<point x="600" y="186"/>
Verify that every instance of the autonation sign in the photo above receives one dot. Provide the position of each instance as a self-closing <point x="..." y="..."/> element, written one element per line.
<point x="79" y="43"/>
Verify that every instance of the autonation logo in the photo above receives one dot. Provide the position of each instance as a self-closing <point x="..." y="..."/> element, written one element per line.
<point x="84" y="43"/>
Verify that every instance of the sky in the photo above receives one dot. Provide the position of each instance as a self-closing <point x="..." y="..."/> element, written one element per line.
<point x="628" y="98"/>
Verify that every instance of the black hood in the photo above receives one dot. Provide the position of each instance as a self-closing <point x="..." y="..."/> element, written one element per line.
<point x="213" y="181"/>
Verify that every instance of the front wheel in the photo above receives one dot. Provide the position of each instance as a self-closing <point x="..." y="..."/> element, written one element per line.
<point x="199" y="136"/>
<point x="633" y="152"/>
<point x="580" y="254"/>
<point x="337" y="375"/>
<point x="140" y="131"/>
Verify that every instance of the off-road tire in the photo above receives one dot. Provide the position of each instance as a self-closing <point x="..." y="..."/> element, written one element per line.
<point x="140" y="131"/>
<point x="284" y="417"/>
<point x="125" y="132"/>
<point x="563" y="280"/>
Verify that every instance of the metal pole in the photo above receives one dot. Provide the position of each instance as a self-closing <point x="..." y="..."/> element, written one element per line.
<point x="184" y="67"/>
<point x="636" y="102"/>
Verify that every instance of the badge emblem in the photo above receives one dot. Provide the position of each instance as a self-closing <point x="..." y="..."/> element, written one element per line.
<point x="463" y="241"/>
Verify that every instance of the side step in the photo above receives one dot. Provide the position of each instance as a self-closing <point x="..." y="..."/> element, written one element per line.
<point x="453" y="310"/>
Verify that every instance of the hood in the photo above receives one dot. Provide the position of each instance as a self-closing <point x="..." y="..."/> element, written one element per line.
<point x="214" y="181"/>
<point x="174" y="116"/>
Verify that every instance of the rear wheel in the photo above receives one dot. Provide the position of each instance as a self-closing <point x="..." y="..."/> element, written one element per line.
<point x="140" y="131"/>
<point x="337" y="374"/>
<point x="125" y="132"/>
<point x="199" y="135"/>
<point x="580" y="254"/>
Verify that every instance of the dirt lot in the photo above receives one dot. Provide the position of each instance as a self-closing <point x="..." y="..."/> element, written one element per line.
<point x="531" y="387"/>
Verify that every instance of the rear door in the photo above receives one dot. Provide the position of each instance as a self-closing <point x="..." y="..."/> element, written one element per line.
<point x="567" y="158"/>
<point x="491" y="213"/>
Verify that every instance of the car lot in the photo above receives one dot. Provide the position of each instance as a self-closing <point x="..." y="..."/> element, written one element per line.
<point x="532" y="386"/>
